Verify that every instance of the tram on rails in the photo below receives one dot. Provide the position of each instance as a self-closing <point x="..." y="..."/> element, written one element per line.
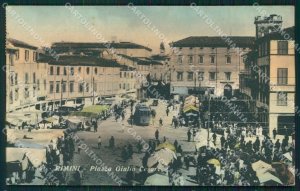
<point x="142" y="115"/>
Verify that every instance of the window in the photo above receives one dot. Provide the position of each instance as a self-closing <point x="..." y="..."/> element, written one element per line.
<point x="51" y="86"/>
<point x="228" y="59"/>
<point x="45" y="85"/>
<point x="16" y="78"/>
<point x="51" y="70"/>
<point x="88" y="70"/>
<point x="179" y="76"/>
<point x="38" y="84"/>
<point x="190" y="59"/>
<point x="282" y="99"/>
<point x="11" y="59"/>
<point x="10" y="97"/>
<point x="200" y="76"/>
<point x="179" y="59"/>
<point x="190" y="76"/>
<point x="200" y="59"/>
<point x="34" y="56"/>
<point x="282" y="76"/>
<point x="26" y="78"/>
<point x="16" y="94"/>
<point x="57" y="70"/>
<point x="64" y="87"/>
<point x="33" y="92"/>
<point x="17" y="55"/>
<point x="81" y="87"/>
<point x="266" y="49"/>
<point x="212" y="59"/>
<point x="12" y="79"/>
<point x="72" y="71"/>
<point x="79" y="70"/>
<point x="212" y="76"/>
<point x="87" y="87"/>
<point x="26" y="93"/>
<point x="228" y="75"/>
<point x="131" y="75"/>
<point x="120" y="74"/>
<point x="282" y="47"/>
<point x="65" y="71"/>
<point x="26" y="55"/>
<point x="71" y="86"/>
<point x="33" y="78"/>
<point x="96" y="71"/>
<point x="124" y="86"/>
<point x="57" y="86"/>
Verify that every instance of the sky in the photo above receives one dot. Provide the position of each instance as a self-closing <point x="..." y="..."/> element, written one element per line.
<point x="57" y="23"/>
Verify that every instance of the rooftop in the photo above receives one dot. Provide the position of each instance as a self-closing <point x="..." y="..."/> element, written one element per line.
<point x="77" y="60"/>
<point x="214" y="41"/>
<point x="90" y="45"/>
<point x="21" y="44"/>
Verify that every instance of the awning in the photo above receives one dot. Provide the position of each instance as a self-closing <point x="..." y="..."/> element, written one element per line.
<point x="157" y="180"/>
<point x="35" y="156"/>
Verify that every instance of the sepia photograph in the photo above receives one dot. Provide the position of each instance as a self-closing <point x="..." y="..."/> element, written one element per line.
<point x="150" y="95"/>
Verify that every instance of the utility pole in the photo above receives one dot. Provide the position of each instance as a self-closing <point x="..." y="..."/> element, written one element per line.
<point x="61" y="92"/>
<point x="208" y="123"/>
<point x="93" y="91"/>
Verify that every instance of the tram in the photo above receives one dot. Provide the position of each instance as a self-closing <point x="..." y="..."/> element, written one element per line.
<point x="142" y="115"/>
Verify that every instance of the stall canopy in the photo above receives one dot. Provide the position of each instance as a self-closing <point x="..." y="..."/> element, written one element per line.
<point x="161" y="159"/>
<point x="91" y="111"/>
<point x="157" y="180"/>
<point x="268" y="178"/>
<point x="166" y="145"/>
<point x="191" y="103"/>
<point x="35" y="156"/>
<point x="261" y="166"/>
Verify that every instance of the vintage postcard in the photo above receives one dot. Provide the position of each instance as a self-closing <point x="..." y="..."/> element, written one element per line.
<point x="150" y="95"/>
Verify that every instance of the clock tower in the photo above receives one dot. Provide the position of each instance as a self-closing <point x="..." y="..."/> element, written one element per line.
<point x="266" y="25"/>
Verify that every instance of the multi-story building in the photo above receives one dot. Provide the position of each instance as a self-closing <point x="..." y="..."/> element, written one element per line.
<point x="82" y="79"/>
<point x="268" y="81"/>
<point x="26" y="85"/>
<point x="208" y="64"/>
<point x="276" y="71"/>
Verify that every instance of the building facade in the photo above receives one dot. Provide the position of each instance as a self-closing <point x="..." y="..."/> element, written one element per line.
<point x="268" y="81"/>
<point x="207" y="64"/>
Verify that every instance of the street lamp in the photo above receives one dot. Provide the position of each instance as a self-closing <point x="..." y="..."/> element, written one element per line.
<point x="61" y="92"/>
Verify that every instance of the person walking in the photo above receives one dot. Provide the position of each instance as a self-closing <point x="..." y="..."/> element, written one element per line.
<point x="112" y="142"/>
<point x="189" y="134"/>
<point x="156" y="134"/>
<point x="274" y="133"/>
<point x="99" y="142"/>
<point x="167" y="111"/>
<point x="214" y="138"/>
<point x="160" y="122"/>
<point x="165" y="139"/>
<point x="222" y="141"/>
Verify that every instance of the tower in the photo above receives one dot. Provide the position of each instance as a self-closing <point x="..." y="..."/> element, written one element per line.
<point x="266" y="25"/>
<point x="162" y="48"/>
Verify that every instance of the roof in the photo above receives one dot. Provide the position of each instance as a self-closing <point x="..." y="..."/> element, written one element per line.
<point x="284" y="34"/>
<point x="78" y="60"/>
<point x="214" y="41"/>
<point x="160" y="57"/>
<point x="21" y="44"/>
<point x="141" y="61"/>
<point x="59" y="46"/>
